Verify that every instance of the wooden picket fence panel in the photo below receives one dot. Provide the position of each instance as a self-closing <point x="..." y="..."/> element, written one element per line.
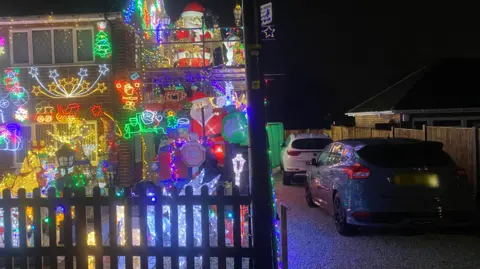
<point x="75" y="249"/>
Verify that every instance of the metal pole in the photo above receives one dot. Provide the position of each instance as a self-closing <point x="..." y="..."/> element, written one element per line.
<point x="283" y="215"/>
<point x="260" y="189"/>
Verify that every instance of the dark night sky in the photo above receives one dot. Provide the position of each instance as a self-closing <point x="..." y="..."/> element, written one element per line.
<point x="336" y="54"/>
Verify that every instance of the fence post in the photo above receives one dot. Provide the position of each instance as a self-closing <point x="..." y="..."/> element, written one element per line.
<point x="425" y="137"/>
<point x="371" y="132"/>
<point x="392" y="131"/>
<point x="283" y="215"/>
<point x="475" y="161"/>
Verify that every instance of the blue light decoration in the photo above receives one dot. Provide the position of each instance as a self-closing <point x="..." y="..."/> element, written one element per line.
<point x="127" y="13"/>
<point x="9" y="137"/>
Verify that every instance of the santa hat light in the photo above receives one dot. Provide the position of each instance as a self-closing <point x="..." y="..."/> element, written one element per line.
<point x="198" y="96"/>
<point x="193" y="10"/>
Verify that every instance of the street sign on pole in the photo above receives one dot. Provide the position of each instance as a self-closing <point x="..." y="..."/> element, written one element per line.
<point x="266" y="13"/>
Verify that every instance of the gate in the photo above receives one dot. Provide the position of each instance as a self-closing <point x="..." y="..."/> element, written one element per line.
<point x="146" y="229"/>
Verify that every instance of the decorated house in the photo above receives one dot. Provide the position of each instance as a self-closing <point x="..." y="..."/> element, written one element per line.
<point x="58" y="90"/>
<point x="186" y="100"/>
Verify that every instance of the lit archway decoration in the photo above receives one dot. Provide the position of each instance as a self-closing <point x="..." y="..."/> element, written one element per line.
<point x="73" y="88"/>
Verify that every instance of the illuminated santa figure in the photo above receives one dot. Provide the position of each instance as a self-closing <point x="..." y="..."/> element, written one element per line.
<point x="191" y="55"/>
<point x="213" y="123"/>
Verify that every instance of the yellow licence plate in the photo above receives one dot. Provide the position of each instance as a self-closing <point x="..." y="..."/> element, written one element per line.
<point x="417" y="179"/>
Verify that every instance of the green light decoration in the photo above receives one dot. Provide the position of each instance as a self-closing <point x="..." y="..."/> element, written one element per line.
<point x="135" y="125"/>
<point x="172" y="122"/>
<point x="235" y="128"/>
<point x="102" y="47"/>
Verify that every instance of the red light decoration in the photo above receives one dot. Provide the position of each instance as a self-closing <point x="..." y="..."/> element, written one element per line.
<point x="129" y="92"/>
<point x="68" y="114"/>
<point x="96" y="110"/>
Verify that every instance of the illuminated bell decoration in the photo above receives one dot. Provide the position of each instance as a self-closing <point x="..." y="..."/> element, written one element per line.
<point x="235" y="128"/>
<point x="193" y="154"/>
<point x="237" y="13"/>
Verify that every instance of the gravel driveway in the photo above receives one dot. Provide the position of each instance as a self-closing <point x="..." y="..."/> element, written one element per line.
<point x="314" y="243"/>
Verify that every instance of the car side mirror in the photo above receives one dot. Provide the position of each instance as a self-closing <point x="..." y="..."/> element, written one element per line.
<point x="314" y="162"/>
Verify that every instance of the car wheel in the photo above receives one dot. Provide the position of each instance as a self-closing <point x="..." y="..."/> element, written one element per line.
<point x="308" y="197"/>
<point x="340" y="219"/>
<point x="287" y="179"/>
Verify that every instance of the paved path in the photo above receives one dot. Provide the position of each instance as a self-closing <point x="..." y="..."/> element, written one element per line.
<point x="314" y="243"/>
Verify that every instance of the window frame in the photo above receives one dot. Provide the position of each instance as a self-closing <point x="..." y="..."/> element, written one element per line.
<point x="33" y="137"/>
<point x="52" y="42"/>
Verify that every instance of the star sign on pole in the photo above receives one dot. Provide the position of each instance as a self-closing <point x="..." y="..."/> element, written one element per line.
<point x="269" y="32"/>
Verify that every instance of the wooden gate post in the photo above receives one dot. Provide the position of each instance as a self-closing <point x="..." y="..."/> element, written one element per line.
<point x="425" y="137"/>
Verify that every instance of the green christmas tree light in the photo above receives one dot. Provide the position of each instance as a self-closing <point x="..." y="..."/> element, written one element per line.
<point x="102" y="47"/>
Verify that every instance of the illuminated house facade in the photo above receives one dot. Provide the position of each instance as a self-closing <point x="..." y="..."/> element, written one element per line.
<point x="183" y="67"/>
<point x="58" y="87"/>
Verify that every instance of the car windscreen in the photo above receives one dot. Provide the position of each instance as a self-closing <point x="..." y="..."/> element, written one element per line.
<point x="311" y="143"/>
<point x="404" y="155"/>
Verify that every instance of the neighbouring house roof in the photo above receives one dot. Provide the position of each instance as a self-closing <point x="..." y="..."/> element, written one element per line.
<point x="447" y="86"/>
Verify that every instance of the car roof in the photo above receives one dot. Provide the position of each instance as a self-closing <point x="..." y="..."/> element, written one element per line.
<point x="305" y="136"/>
<point x="378" y="141"/>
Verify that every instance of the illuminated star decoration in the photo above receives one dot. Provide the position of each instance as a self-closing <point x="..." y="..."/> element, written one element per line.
<point x="268" y="32"/>
<point x="96" y="110"/>
<point x="75" y="87"/>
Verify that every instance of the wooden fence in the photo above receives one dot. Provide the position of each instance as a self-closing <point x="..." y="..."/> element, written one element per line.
<point x="44" y="242"/>
<point x="460" y="143"/>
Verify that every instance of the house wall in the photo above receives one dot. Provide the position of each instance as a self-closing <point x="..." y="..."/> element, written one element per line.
<point x="369" y="121"/>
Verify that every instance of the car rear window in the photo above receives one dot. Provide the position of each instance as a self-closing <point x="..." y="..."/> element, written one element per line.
<point x="405" y="155"/>
<point x="311" y="143"/>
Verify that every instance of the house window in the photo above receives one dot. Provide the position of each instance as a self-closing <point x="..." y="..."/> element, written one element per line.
<point x="39" y="132"/>
<point x="20" y="54"/>
<point x="42" y="47"/>
<point x="52" y="46"/>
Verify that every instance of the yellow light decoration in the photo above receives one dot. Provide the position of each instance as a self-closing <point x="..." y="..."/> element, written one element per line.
<point x="76" y="129"/>
<point x="27" y="178"/>
<point x="91" y="239"/>
<point x="144" y="161"/>
<point x="75" y="87"/>
<point x="29" y="212"/>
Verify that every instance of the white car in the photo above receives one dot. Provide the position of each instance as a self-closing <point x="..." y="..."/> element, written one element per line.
<point x="297" y="150"/>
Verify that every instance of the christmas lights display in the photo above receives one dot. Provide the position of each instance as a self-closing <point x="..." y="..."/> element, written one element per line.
<point x="44" y="112"/>
<point x="268" y="32"/>
<point x="9" y="138"/>
<point x="238" y="163"/>
<point x="75" y="87"/>
<point x="102" y="46"/>
<point x="129" y="92"/>
<point x="135" y="125"/>
<point x="67" y="114"/>
<point x="21" y="114"/>
<point x="96" y="110"/>
<point x="2" y="45"/>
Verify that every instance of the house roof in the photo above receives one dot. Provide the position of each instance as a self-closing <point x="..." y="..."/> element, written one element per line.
<point x="447" y="85"/>
<point x="47" y="7"/>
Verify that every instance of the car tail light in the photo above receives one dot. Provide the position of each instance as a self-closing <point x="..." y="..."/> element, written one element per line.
<point x="357" y="171"/>
<point x="361" y="216"/>
<point x="293" y="152"/>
